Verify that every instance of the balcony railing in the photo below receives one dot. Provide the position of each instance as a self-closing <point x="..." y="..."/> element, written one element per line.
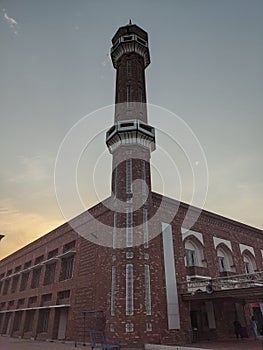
<point x="223" y="283"/>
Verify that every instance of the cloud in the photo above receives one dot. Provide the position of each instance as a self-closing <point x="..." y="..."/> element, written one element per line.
<point x="236" y="188"/>
<point x="31" y="170"/>
<point x="21" y="228"/>
<point x="11" y="22"/>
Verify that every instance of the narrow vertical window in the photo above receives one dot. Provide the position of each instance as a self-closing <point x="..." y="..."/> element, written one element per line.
<point x="129" y="289"/>
<point x="128" y="68"/>
<point x="114" y="233"/>
<point x="140" y="99"/>
<point x="144" y="184"/>
<point x="145" y="227"/>
<point x="247" y="267"/>
<point x="129" y="227"/>
<point x="139" y="72"/>
<point x="128" y="96"/>
<point x="113" y="285"/>
<point x="148" y="305"/>
<point x="115" y="181"/>
<point x="221" y="263"/>
<point x="190" y="257"/>
<point x="128" y="176"/>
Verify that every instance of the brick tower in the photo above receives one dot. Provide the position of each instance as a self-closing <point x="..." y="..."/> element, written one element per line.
<point x="130" y="141"/>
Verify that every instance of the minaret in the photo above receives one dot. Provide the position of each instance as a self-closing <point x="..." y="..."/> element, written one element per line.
<point x="130" y="141"/>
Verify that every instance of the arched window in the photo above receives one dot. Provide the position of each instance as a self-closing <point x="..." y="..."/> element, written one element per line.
<point x="249" y="262"/>
<point x="225" y="260"/>
<point x="194" y="253"/>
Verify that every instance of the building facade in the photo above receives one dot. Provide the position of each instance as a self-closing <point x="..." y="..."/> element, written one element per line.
<point x="151" y="279"/>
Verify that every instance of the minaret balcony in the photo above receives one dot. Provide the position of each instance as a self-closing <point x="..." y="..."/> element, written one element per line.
<point x="130" y="132"/>
<point x="127" y="44"/>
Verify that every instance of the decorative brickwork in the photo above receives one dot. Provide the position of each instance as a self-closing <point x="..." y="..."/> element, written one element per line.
<point x="132" y="288"/>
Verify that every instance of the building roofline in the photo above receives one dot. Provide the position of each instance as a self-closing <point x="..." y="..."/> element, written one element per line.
<point x="65" y="228"/>
<point x="211" y="214"/>
<point x="103" y="207"/>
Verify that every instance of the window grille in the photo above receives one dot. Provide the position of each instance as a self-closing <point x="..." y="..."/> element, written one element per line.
<point x="128" y="176"/>
<point x="29" y="321"/>
<point x="6" y="286"/>
<point x="43" y="320"/>
<point x="36" y="278"/>
<point x="144" y="184"/>
<point x="113" y="286"/>
<point x="129" y="289"/>
<point x="129" y="227"/>
<point x="17" y="321"/>
<point x="145" y="228"/>
<point x="14" y="284"/>
<point x="66" y="268"/>
<point x="24" y="280"/>
<point x="148" y="305"/>
<point x="50" y="273"/>
<point x="114" y="233"/>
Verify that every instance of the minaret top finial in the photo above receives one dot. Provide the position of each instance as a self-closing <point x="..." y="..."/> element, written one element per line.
<point x="130" y="22"/>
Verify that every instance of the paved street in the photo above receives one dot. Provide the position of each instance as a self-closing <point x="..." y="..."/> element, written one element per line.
<point x="7" y="343"/>
<point x="241" y="344"/>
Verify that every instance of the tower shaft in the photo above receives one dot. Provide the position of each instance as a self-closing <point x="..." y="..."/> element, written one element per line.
<point x="130" y="141"/>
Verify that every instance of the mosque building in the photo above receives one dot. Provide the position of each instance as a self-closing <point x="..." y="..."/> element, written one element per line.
<point x="132" y="266"/>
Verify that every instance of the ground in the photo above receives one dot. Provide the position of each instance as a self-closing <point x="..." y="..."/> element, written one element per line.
<point x="7" y="343"/>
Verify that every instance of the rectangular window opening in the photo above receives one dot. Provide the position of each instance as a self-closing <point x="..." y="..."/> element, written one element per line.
<point x="128" y="67"/>
<point x="148" y="305"/>
<point x="129" y="289"/>
<point x="129" y="227"/>
<point x="190" y="257"/>
<point x="113" y="286"/>
<point x="129" y="176"/>
<point x="128" y="96"/>
<point x="66" y="268"/>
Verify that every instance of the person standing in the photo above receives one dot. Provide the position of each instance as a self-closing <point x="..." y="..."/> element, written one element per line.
<point x="254" y="327"/>
<point x="237" y="329"/>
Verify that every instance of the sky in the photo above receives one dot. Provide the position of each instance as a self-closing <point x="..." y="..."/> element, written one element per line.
<point x="206" y="74"/>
